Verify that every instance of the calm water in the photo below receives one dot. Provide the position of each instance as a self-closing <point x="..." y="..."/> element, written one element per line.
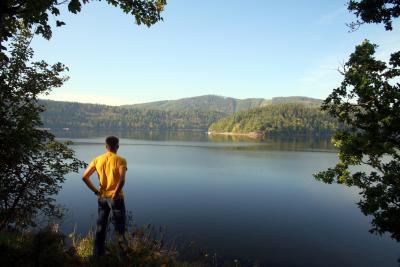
<point x="238" y="198"/>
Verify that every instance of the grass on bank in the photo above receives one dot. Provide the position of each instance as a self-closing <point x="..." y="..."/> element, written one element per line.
<point x="50" y="248"/>
<point x="146" y="248"/>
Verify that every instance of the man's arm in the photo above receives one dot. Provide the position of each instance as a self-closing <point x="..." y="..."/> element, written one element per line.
<point x="86" y="178"/>
<point x="122" y="172"/>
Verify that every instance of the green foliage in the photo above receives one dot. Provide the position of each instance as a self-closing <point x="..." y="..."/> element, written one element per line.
<point x="44" y="248"/>
<point x="373" y="11"/>
<point x="33" y="164"/>
<point x="84" y="247"/>
<point x="15" y="14"/>
<point x="71" y="115"/>
<point x="283" y="119"/>
<point x="368" y="102"/>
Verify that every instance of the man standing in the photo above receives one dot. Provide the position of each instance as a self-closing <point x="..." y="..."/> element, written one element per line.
<point x="111" y="170"/>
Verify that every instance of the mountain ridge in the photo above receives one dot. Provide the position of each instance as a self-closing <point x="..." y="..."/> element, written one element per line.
<point x="223" y="104"/>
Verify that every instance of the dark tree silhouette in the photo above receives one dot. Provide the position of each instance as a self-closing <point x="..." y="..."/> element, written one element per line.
<point x="368" y="103"/>
<point x="374" y="11"/>
<point x="33" y="164"/>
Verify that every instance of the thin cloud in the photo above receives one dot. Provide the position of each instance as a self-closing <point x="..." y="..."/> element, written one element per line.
<point x="332" y="16"/>
<point x="324" y="76"/>
<point x="320" y="80"/>
<point x="386" y="46"/>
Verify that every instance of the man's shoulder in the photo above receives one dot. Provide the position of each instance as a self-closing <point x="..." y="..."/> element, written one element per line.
<point x="120" y="159"/>
<point x="102" y="156"/>
<point x="97" y="160"/>
<point x="123" y="160"/>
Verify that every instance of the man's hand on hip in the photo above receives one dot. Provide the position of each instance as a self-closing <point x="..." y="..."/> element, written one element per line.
<point x="114" y="196"/>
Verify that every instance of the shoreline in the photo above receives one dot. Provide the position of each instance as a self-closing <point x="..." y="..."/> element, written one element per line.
<point x="249" y="134"/>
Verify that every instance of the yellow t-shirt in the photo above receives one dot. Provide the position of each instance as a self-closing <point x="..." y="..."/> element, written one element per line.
<point x="107" y="167"/>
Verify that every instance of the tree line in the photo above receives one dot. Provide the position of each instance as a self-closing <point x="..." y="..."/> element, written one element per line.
<point x="287" y="119"/>
<point x="72" y="115"/>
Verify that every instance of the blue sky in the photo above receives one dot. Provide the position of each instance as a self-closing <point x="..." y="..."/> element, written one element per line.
<point x="241" y="49"/>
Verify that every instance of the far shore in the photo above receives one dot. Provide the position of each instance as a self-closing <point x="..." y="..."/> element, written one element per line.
<point x="249" y="134"/>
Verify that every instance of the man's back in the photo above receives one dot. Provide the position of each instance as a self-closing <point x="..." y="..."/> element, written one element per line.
<point x="111" y="170"/>
<point x="107" y="166"/>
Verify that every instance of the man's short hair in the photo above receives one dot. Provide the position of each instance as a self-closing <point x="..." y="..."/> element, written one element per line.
<point x="112" y="142"/>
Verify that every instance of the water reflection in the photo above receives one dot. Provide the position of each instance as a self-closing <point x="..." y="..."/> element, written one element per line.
<point x="301" y="143"/>
<point x="137" y="135"/>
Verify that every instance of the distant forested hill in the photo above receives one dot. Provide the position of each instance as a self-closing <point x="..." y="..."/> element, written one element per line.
<point x="196" y="113"/>
<point x="222" y="104"/>
<point x="286" y="119"/>
<point x="72" y="115"/>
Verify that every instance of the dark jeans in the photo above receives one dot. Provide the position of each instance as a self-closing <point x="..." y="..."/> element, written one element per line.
<point x="117" y="206"/>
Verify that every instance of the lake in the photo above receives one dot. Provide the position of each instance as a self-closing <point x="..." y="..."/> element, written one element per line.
<point x="239" y="198"/>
